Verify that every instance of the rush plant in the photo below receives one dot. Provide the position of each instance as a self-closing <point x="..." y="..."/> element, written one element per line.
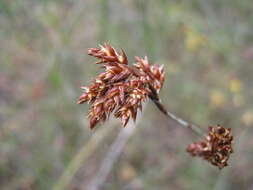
<point x="122" y="88"/>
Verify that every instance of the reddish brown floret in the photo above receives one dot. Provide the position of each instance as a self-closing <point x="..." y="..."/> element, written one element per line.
<point x="120" y="89"/>
<point x="215" y="148"/>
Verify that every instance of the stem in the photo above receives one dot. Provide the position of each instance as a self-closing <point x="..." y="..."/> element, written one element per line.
<point x="179" y="120"/>
<point x="81" y="157"/>
<point x="111" y="157"/>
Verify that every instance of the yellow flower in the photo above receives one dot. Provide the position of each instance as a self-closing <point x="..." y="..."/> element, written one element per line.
<point x="235" y="85"/>
<point x="217" y="98"/>
<point x="247" y="118"/>
<point x="127" y="172"/>
<point x="194" y="40"/>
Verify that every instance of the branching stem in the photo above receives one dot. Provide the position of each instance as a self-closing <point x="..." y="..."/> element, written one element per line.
<point x="197" y="130"/>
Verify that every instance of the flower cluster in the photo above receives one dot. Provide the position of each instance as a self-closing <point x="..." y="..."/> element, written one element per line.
<point x="215" y="148"/>
<point x="120" y="89"/>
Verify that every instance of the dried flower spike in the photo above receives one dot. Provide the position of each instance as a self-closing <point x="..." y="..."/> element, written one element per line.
<point x="120" y="89"/>
<point x="215" y="148"/>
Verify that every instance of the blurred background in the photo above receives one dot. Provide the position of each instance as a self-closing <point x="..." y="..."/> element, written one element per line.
<point x="207" y="50"/>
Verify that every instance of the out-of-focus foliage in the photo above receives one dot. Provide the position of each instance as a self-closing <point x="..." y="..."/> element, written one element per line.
<point x="207" y="49"/>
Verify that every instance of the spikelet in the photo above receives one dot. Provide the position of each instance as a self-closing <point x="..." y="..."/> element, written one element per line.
<point x="215" y="148"/>
<point x="120" y="89"/>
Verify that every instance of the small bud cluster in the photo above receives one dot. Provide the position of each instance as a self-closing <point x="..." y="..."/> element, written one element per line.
<point x="120" y="89"/>
<point x="215" y="148"/>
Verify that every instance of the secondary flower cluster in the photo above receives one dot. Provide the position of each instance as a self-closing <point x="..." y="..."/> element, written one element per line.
<point x="215" y="148"/>
<point x="120" y="89"/>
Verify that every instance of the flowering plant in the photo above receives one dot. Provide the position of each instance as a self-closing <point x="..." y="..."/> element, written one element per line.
<point x="122" y="88"/>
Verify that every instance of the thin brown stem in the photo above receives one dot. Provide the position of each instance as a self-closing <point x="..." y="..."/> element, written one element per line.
<point x="179" y="120"/>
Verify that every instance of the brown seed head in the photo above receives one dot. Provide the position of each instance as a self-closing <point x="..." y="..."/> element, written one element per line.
<point x="215" y="148"/>
<point x="152" y="74"/>
<point x="120" y="89"/>
<point x="107" y="54"/>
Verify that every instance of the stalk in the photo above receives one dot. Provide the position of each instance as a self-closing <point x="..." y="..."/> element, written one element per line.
<point x="197" y="130"/>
